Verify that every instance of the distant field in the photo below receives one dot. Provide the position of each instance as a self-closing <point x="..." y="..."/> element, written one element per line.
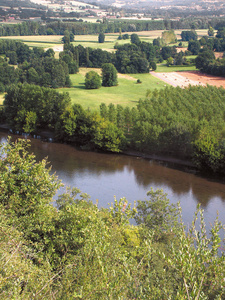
<point x="1" y="98"/>
<point x="43" y="41"/>
<point x="151" y="35"/>
<point x="54" y="41"/>
<point x="92" y="41"/>
<point x="163" y="68"/>
<point x="127" y="93"/>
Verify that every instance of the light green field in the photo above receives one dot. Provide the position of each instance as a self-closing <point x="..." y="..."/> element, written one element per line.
<point x="36" y="38"/>
<point x="163" y="68"/>
<point x="54" y="41"/>
<point x="1" y="98"/>
<point x="42" y="41"/>
<point x="92" y="41"/>
<point x="127" y="93"/>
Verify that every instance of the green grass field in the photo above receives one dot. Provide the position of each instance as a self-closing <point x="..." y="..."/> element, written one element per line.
<point x="2" y="98"/>
<point x="163" y="68"/>
<point x="127" y="93"/>
<point x="54" y="41"/>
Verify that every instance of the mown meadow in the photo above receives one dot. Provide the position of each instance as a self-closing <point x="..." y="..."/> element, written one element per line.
<point x="127" y="93"/>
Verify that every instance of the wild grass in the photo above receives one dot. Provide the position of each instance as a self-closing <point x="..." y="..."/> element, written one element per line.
<point x="163" y="68"/>
<point x="127" y="93"/>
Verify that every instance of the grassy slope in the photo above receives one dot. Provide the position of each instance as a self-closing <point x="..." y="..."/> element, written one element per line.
<point x="127" y="93"/>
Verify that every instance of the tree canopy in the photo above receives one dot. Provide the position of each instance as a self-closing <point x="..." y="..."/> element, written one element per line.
<point x="92" y="80"/>
<point x="109" y="75"/>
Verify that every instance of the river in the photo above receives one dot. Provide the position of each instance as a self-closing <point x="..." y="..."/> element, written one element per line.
<point x="104" y="176"/>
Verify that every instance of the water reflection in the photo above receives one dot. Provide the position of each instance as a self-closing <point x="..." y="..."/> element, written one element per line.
<point x="105" y="175"/>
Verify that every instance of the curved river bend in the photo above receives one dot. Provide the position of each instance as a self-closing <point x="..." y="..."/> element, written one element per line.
<point x="104" y="176"/>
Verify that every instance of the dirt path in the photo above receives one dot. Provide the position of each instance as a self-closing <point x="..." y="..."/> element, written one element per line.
<point x="184" y="79"/>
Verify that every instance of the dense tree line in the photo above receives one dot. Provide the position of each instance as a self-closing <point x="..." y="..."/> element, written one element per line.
<point x="186" y="123"/>
<point x="206" y="60"/>
<point x="77" y="250"/>
<point x="180" y="122"/>
<point x="29" y="108"/>
<point x="129" y="58"/>
<point x="79" y="28"/>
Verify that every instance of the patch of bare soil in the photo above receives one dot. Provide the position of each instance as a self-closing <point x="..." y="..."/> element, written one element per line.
<point x="180" y="79"/>
<point x="183" y="49"/>
<point x="57" y="48"/>
<point x="204" y="79"/>
<point x="184" y="79"/>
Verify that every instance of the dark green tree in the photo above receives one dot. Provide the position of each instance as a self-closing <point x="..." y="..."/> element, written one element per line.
<point x="189" y="35"/>
<point x="109" y="75"/>
<point x="153" y="65"/>
<point x="101" y="38"/>
<point x="210" y="31"/>
<point x="194" y="47"/>
<point x="135" y="39"/>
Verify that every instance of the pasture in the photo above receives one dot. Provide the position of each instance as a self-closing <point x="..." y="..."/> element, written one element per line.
<point x="127" y="93"/>
<point x="164" y="68"/>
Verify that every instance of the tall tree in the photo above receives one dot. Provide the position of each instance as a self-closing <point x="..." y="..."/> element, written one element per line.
<point x="101" y="38"/>
<point x="109" y="75"/>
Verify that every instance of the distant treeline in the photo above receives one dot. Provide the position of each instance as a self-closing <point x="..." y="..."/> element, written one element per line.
<point x="79" y="28"/>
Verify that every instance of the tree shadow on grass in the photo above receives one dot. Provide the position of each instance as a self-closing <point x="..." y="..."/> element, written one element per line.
<point x="80" y="86"/>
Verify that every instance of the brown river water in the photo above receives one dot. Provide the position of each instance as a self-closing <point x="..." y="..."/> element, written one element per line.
<point x="104" y="176"/>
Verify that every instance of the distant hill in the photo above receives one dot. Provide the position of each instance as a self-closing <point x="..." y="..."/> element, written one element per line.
<point x="19" y="3"/>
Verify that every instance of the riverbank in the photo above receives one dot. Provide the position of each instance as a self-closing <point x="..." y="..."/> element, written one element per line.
<point x="48" y="136"/>
<point x="162" y="158"/>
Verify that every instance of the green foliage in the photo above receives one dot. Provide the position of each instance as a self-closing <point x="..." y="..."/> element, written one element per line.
<point x="189" y="35"/>
<point x="153" y="65"/>
<point x="194" y="47"/>
<point x="89" y="129"/>
<point x="210" y="31"/>
<point x="92" y="80"/>
<point x="157" y="214"/>
<point x="27" y="189"/>
<point x="134" y="38"/>
<point x="78" y="251"/>
<point x="169" y="37"/>
<point x="169" y="61"/>
<point x="208" y="151"/>
<point x="130" y="58"/>
<point x="203" y="59"/>
<point x="196" y="262"/>
<point x="187" y="123"/>
<point x="221" y="32"/>
<point x="28" y="106"/>
<point x="101" y="38"/>
<point x="109" y="75"/>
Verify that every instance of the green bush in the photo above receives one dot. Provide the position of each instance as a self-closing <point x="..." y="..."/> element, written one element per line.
<point x="92" y="80"/>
